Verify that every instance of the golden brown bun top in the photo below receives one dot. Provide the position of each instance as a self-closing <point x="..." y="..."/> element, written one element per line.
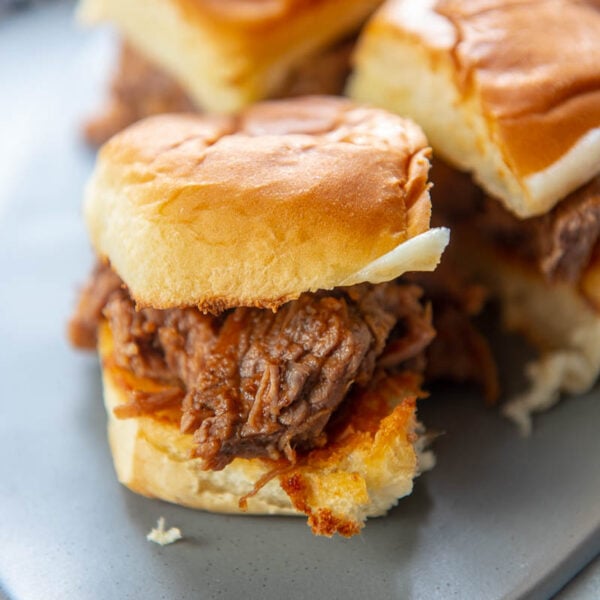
<point x="535" y="65"/>
<point x="245" y="11"/>
<point x="228" y="54"/>
<point x="290" y="196"/>
<point x="251" y="13"/>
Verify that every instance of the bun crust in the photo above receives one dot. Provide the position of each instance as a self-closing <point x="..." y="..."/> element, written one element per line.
<point x="228" y="54"/>
<point x="363" y="474"/>
<point x="508" y="90"/>
<point x="291" y="196"/>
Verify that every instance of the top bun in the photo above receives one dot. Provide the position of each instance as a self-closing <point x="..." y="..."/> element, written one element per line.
<point x="227" y="54"/>
<point x="290" y="196"/>
<point x="507" y="90"/>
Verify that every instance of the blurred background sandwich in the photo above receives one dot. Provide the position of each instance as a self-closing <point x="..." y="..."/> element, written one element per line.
<point x="219" y="56"/>
<point x="508" y="94"/>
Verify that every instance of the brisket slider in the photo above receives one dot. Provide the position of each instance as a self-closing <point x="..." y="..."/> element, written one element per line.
<point x="509" y="92"/>
<point x="258" y="350"/>
<point x="222" y="55"/>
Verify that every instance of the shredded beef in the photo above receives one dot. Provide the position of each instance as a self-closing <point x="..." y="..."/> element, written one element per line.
<point x="322" y="74"/>
<point x="138" y="89"/>
<point x="83" y="326"/>
<point x="257" y="382"/>
<point x="143" y="403"/>
<point x="460" y="352"/>
<point x="558" y="244"/>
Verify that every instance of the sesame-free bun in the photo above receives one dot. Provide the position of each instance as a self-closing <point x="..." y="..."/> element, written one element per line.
<point x="509" y="91"/>
<point x="362" y="473"/>
<point x="227" y="54"/>
<point x="288" y="197"/>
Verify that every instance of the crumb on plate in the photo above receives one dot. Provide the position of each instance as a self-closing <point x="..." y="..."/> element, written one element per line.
<point x="160" y="536"/>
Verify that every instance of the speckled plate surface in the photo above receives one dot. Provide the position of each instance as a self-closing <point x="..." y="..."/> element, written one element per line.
<point x="500" y="516"/>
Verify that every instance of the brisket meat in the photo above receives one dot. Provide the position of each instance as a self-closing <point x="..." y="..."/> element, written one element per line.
<point x="558" y="244"/>
<point x="258" y="383"/>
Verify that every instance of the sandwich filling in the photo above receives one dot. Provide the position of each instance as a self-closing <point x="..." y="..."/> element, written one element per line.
<point x="560" y="245"/>
<point x="251" y="382"/>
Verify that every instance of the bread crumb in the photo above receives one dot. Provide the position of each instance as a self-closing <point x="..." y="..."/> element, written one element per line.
<point x="160" y="536"/>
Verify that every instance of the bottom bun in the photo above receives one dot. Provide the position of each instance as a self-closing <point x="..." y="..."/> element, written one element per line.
<point x="366" y="467"/>
<point x="555" y="317"/>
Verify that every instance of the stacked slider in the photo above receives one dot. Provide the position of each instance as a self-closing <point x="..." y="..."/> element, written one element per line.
<point x="509" y="92"/>
<point x="259" y="350"/>
<point x="220" y="56"/>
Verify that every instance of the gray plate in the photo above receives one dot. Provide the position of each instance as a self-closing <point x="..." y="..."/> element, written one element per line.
<point x="500" y="516"/>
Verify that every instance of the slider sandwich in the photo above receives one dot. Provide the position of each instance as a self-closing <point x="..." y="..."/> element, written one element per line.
<point x="222" y="55"/>
<point x="509" y="93"/>
<point x="258" y="350"/>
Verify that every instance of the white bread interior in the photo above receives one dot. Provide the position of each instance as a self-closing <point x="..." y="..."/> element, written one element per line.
<point x="229" y="54"/>
<point x="292" y="196"/>
<point x="421" y="253"/>
<point x="405" y="63"/>
<point x="559" y="321"/>
<point x="337" y="487"/>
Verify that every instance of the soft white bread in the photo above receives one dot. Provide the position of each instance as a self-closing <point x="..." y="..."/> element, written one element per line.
<point x="230" y="53"/>
<point x="291" y="196"/>
<point x="362" y="472"/>
<point x="557" y="318"/>
<point x="509" y="91"/>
